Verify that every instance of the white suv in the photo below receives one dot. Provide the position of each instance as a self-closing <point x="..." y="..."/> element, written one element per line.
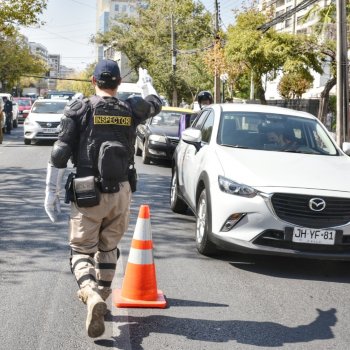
<point x="263" y="179"/>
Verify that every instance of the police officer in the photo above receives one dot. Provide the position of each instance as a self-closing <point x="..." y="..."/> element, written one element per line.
<point x="8" y="107"/>
<point x="98" y="136"/>
<point x="204" y="98"/>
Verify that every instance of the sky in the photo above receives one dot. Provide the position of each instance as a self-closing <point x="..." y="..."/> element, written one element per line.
<point x="69" y="25"/>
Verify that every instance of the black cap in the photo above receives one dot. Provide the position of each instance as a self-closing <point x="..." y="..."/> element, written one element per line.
<point x="106" y="70"/>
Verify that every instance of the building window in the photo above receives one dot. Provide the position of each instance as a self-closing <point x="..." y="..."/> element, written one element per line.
<point x="288" y="22"/>
<point x="123" y="8"/>
<point x="116" y="7"/>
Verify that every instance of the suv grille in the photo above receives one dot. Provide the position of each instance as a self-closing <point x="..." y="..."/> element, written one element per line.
<point x="49" y="124"/>
<point x="295" y="209"/>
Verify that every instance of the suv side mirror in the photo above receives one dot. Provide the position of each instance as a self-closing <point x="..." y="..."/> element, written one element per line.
<point x="193" y="137"/>
<point x="346" y="148"/>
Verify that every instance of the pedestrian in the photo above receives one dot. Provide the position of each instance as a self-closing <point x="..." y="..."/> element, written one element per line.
<point x="204" y="98"/>
<point x="182" y="104"/>
<point x="8" y="107"/>
<point x="98" y="135"/>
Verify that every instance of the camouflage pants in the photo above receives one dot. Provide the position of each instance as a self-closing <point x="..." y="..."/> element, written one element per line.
<point x="94" y="234"/>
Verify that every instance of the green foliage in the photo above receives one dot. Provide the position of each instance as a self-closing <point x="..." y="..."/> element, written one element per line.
<point x="266" y="53"/>
<point x="19" y="12"/>
<point x="293" y="85"/>
<point x="146" y="41"/>
<point x="16" y="60"/>
<point x="85" y="87"/>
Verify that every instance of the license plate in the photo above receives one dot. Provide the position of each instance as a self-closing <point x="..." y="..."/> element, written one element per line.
<point x="314" y="236"/>
<point x="49" y="131"/>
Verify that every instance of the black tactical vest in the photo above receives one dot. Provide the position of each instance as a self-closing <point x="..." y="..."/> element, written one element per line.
<point x="108" y="119"/>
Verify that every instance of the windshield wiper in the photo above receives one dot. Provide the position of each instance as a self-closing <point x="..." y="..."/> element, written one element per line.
<point x="234" y="146"/>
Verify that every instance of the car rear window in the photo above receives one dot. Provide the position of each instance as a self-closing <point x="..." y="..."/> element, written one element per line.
<point x="167" y="118"/>
<point x="54" y="107"/>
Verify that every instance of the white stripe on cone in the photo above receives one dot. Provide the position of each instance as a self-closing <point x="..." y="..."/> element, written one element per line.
<point x="141" y="256"/>
<point x="143" y="230"/>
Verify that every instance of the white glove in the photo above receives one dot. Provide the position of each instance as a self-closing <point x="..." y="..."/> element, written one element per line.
<point x="52" y="204"/>
<point x="145" y="83"/>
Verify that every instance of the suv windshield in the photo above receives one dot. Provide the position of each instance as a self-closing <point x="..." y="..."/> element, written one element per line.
<point x="54" y="107"/>
<point x="274" y="132"/>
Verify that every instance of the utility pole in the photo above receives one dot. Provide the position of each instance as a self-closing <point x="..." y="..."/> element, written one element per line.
<point x="173" y="61"/>
<point x="216" y="74"/>
<point x="342" y="74"/>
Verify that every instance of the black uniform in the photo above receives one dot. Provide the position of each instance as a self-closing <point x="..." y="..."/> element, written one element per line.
<point x="99" y="135"/>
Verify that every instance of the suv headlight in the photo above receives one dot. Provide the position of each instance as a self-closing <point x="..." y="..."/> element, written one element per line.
<point x="157" y="138"/>
<point x="232" y="187"/>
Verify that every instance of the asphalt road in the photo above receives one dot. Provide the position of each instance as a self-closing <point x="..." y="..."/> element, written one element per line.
<point x="231" y="301"/>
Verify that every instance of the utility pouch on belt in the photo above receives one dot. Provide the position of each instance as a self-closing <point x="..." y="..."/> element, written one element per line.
<point x="69" y="197"/>
<point x="86" y="192"/>
<point x="132" y="177"/>
<point x="112" y="165"/>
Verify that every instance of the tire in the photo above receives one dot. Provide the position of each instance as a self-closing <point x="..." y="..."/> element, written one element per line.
<point x="145" y="158"/>
<point x="203" y="226"/>
<point x="138" y="152"/>
<point x="27" y="141"/>
<point x="177" y="205"/>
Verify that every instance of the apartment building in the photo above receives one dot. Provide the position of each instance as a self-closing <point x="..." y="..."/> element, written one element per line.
<point x="295" y="24"/>
<point x="108" y="12"/>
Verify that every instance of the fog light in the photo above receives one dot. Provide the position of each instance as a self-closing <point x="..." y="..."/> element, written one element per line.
<point x="232" y="221"/>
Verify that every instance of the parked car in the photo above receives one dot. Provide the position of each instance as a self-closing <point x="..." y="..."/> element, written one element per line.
<point x="43" y="120"/>
<point x="15" y="111"/>
<point x="126" y="90"/>
<point x="257" y="193"/>
<point x="60" y="95"/>
<point x="158" y="137"/>
<point x="2" y="115"/>
<point x="24" y="104"/>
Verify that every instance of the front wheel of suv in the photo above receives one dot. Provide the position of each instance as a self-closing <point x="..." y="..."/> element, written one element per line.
<point x="145" y="158"/>
<point x="177" y="205"/>
<point x="203" y="226"/>
<point x="27" y="141"/>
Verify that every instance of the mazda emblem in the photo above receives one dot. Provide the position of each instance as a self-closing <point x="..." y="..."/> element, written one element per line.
<point x="317" y="204"/>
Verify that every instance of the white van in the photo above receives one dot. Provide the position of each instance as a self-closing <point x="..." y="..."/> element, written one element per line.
<point x="126" y="90"/>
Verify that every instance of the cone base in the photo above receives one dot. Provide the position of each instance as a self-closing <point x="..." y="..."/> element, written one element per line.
<point x="120" y="301"/>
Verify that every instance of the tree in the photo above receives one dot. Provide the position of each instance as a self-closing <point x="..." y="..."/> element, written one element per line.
<point x="78" y="85"/>
<point x="264" y="54"/>
<point x="19" y="12"/>
<point x="293" y="85"/>
<point x="146" y="47"/>
<point x="17" y="60"/>
<point x="326" y="47"/>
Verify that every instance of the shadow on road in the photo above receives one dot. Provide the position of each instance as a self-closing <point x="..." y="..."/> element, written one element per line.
<point x="267" y="334"/>
<point x="24" y="225"/>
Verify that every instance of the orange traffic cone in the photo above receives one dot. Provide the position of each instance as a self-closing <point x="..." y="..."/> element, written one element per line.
<point x="139" y="287"/>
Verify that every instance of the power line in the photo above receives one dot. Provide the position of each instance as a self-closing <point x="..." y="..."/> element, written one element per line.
<point x="304" y="4"/>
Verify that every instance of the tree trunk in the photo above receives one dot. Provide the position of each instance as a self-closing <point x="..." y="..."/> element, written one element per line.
<point x="260" y="92"/>
<point x="324" y="100"/>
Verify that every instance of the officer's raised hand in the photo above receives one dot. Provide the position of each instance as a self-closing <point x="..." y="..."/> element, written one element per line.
<point x="145" y="83"/>
<point x="52" y="192"/>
